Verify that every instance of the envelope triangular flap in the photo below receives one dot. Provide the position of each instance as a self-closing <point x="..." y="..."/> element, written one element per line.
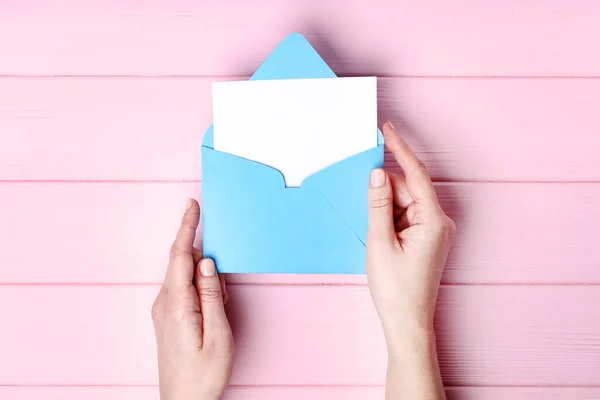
<point x="345" y="186"/>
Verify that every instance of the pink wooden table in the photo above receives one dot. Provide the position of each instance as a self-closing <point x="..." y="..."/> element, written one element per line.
<point x="103" y="105"/>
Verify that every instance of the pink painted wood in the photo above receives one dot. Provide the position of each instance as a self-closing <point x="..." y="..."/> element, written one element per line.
<point x="80" y="261"/>
<point x="293" y="393"/>
<point x="121" y="233"/>
<point x="183" y="37"/>
<point x="152" y="129"/>
<point x="516" y="393"/>
<point x="517" y="335"/>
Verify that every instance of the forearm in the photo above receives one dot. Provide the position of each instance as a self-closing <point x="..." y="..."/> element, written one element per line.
<point x="413" y="370"/>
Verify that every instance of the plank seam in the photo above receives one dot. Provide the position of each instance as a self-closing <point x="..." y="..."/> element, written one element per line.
<point x="292" y="386"/>
<point x="481" y="77"/>
<point x="289" y="284"/>
<point x="172" y="181"/>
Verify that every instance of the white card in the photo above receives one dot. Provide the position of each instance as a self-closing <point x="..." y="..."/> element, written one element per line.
<point x="298" y="126"/>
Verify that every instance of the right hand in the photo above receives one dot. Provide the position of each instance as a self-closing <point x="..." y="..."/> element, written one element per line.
<point x="408" y="241"/>
<point x="407" y="244"/>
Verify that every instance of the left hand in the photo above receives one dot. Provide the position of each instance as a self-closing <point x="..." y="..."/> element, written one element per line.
<point x="194" y="339"/>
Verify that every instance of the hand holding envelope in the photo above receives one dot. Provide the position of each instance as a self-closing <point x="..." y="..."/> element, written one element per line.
<point x="286" y="167"/>
<point x="303" y="209"/>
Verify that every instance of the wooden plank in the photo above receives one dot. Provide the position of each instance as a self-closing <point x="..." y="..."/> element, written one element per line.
<point x="121" y="233"/>
<point x="152" y="129"/>
<point x="304" y="335"/>
<point x="115" y="129"/>
<point x="69" y="232"/>
<point x="516" y="393"/>
<point x="183" y="37"/>
<point x="498" y="130"/>
<point x="151" y="393"/>
<point x="292" y="393"/>
<point x="78" y="392"/>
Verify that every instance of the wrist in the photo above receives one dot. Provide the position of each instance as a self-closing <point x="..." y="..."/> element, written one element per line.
<point x="409" y="338"/>
<point x="210" y="396"/>
<point x="191" y="397"/>
<point x="189" y="394"/>
<point x="413" y="369"/>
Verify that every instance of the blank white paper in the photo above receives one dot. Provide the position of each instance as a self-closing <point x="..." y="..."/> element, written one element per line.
<point x="298" y="126"/>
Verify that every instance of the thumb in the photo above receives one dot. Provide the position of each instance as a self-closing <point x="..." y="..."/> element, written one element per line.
<point x="210" y="293"/>
<point x="381" y="208"/>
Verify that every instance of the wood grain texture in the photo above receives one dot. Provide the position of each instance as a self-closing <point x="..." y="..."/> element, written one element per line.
<point x="184" y="37"/>
<point x="294" y="393"/>
<point x="516" y="393"/>
<point x="121" y="233"/>
<point x="75" y="232"/>
<point x="488" y="336"/>
<point x="152" y="128"/>
<point x="117" y="129"/>
<point x="119" y="91"/>
<point x="151" y="393"/>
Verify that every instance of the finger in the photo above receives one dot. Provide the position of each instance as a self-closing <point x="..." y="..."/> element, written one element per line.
<point x="417" y="179"/>
<point x="210" y="293"/>
<point x="402" y="196"/>
<point x="181" y="267"/>
<point x="381" y="208"/>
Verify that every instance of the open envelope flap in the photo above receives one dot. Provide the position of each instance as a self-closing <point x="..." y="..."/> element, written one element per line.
<point x="253" y="223"/>
<point x="294" y="58"/>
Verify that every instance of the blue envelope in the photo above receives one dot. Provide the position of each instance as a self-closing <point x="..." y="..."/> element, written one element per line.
<point x="252" y="223"/>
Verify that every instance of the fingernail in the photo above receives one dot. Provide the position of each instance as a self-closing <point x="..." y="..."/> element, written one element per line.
<point x="188" y="205"/>
<point x="391" y="125"/>
<point x="207" y="267"/>
<point x="377" y="178"/>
